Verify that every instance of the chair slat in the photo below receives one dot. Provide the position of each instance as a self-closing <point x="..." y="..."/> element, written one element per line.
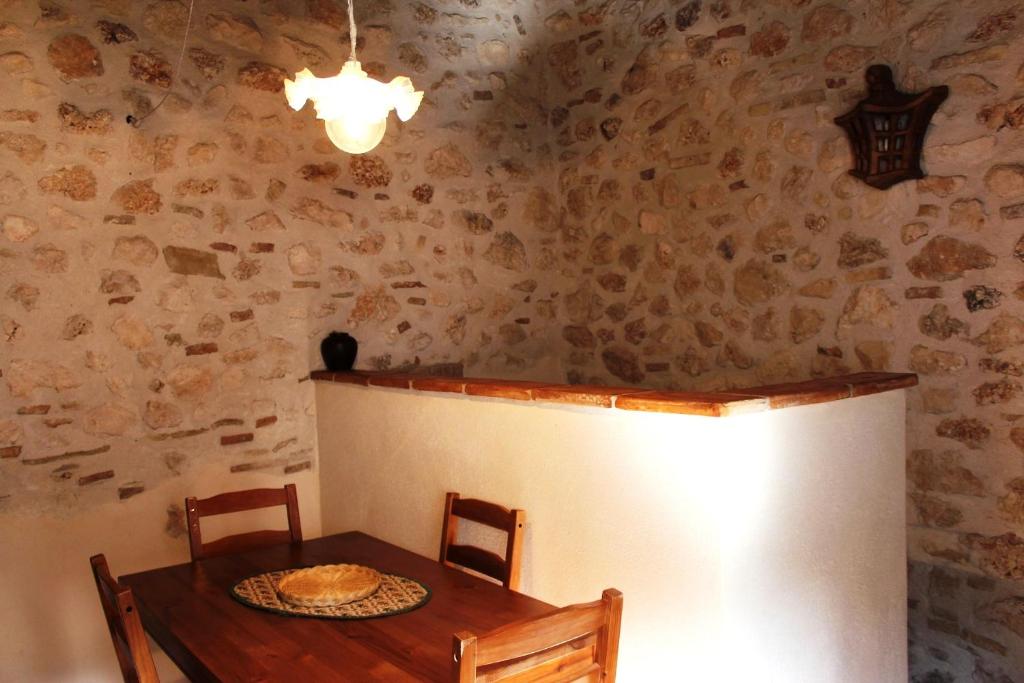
<point x="236" y="501"/>
<point x="126" y="632"/>
<point x="481" y="511"/>
<point x="532" y="636"/>
<point x="241" y="501"/>
<point x="478" y="559"/>
<point x="485" y="562"/>
<point x="572" y="644"/>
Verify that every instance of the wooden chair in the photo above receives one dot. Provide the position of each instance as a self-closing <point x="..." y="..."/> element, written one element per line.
<point x="575" y="643"/>
<point x="126" y="631"/>
<point x="239" y="501"/>
<point x="487" y="563"/>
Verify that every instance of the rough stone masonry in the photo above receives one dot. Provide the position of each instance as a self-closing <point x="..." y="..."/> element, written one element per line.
<point x="640" y="192"/>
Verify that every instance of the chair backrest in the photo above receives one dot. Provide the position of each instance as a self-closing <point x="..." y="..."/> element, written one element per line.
<point x="575" y="643"/>
<point x="487" y="563"/>
<point x="126" y="631"/>
<point x="239" y="501"/>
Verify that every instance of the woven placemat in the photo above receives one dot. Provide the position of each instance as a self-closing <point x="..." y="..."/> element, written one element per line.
<point x="397" y="594"/>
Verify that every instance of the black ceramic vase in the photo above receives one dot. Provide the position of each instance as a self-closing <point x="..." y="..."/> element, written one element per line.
<point x="339" y="351"/>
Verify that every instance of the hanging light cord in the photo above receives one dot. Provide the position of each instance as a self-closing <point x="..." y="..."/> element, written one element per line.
<point x="352" y="31"/>
<point x="135" y="122"/>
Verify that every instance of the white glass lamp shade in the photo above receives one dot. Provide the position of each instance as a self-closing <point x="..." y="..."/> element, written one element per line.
<point x="354" y="106"/>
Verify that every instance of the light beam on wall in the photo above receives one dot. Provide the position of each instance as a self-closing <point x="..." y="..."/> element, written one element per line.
<point x="354" y="106"/>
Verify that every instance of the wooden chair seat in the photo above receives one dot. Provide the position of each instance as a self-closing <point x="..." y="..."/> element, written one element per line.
<point x="575" y="643"/>
<point x="504" y="569"/>
<point x="126" y="632"/>
<point x="241" y="501"/>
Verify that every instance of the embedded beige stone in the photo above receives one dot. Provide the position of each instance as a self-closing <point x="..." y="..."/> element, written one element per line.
<point x="262" y="76"/>
<point x="74" y="120"/>
<point x="120" y="282"/>
<point x="848" y="58"/>
<point x="935" y="362"/>
<point x="15" y="63"/>
<point x="166" y="19"/>
<point x="757" y="282"/>
<point x="993" y="53"/>
<point x="374" y="305"/>
<point x="24" y="376"/>
<point x="1009" y="612"/>
<point x="196" y="187"/>
<point x="19" y="228"/>
<point x="474" y="222"/>
<point x="235" y="30"/>
<point x="935" y="512"/>
<point x="947" y="258"/>
<point x="158" y="151"/>
<point x="27" y="147"/>
<point x="804" y="323"/>
<point x="161" y="415"/>
<point x="74" y="57"/>
<point x="1000" y="556"/>
<point x="138" y="197"/>
<point x="822" y="288"/>
<point x="268" y="220"/>
<point x="494" y="53"/>
<point x="11" y="433"/>
<point x="190" y="381"/>
<point x="314" y="210"/>
<point x="304" y="258"/>
<point x="108" y="419"/>
<point x="326" y="12"/>
<point x="623" y="363"/>
<point x="912" y="232"/>
<point x="825" y="22"/>
<point x="75" y="182"/>
<point x="177" y="296"/>
<point x="150" y="68"/>
<point x="874" y="355"/>
<point x="1005" y="332"/>
<point x="49" y="258"/>
<point x="776" y="236"/>
<point x="137" y="249"/>
<point x="938" y="324"/>
<point x="210" y="326"/>
<point x="1006" y="180"/>
<point x="507" y="251"/>
<point x="369" y="170"/>
<point x="76" y="326"/>
<point x="209" y="64"/>
<point x="923" y="35"/>
<point x="188" y="261"/>
<point x="770" y="40"/>
<point x="868" y="305"/>
<point x="132" y="333"/>
<point x="269" y="150"/>
<point x="991" y="393"/>
<point x="447" y="161"/>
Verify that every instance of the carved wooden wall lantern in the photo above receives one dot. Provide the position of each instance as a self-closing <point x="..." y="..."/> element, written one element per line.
<point x="887" y="129"/>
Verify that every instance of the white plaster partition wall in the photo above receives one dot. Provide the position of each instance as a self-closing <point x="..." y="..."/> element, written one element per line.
<point x="814" y="562"/>
<point x="52" y="626"/>
<point x="670" y="509"/>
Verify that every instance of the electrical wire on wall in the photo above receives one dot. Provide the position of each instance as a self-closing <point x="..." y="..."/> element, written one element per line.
<point x="136" y="121"/>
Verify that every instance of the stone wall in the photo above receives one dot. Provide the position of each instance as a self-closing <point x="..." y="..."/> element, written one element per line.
<point x="718" y="241"/>
<point x="165" y="287"/>
<point x="649" y="193"/>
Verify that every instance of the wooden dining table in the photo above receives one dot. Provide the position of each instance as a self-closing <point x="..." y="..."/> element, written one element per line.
<point x="189" y="611"/>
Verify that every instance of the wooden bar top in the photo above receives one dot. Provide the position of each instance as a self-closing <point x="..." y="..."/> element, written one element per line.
<point x="713" y="404"/>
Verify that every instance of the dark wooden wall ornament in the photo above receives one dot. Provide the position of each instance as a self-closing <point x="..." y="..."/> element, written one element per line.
<point x="886" y="129"/>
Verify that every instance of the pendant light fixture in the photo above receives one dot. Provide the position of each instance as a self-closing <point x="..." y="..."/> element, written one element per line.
<point x="354" y="106"/>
